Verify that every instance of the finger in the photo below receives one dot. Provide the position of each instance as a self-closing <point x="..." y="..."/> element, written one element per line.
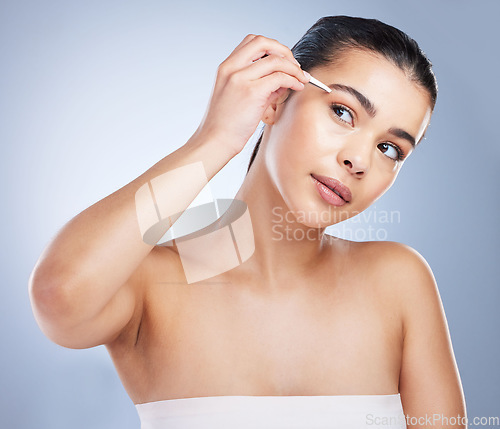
<point x="262" y="45"/>
<point x="277" y="80"/>
<point x="229" y="65"/>
<point x="271" y="64"/>
<point x="276" y="95"/>
<point x="247" y="39"/>
<point x="255" y="49"/>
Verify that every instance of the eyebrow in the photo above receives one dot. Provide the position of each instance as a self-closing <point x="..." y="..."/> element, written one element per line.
<point x="402" y="134"/>
<point x="370" y="109"/>
<point x="365" y="102"/>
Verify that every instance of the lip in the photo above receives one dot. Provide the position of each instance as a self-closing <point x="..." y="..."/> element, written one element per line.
<point x="338" y="187"/>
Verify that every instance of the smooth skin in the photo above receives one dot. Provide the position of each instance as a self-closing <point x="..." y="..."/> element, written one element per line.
<point x="312" y="316"/>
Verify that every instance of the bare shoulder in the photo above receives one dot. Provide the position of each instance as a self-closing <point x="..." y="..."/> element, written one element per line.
<point x="397" y="271"/>
<point x="395" y="260"/>
<point x="390" y="260"/>
<point x="429" y="381"/>
<point x="397" y="251"/>
<point x="429" y="378"/>
<point x="405" y="270"/>
<point x="410" y="278"/>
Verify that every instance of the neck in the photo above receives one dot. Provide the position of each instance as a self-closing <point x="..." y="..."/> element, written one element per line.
<point x="284" y="248"/>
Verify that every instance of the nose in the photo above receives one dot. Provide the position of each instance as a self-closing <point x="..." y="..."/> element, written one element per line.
<point x="355" y="158"/>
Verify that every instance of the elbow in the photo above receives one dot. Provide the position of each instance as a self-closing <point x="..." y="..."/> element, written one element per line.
<point x="45" y="294"/>
<point x="51" y="307"/>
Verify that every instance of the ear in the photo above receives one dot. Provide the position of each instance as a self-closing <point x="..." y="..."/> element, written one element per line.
<point x="277" y="99"/>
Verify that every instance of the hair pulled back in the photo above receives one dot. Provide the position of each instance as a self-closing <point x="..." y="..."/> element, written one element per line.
<point x="332" y="36"/>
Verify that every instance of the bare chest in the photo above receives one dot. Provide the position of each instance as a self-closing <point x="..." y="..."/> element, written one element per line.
<point x="213" y="339"/>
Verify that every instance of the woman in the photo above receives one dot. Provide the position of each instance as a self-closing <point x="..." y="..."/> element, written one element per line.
<point x="304" y="329"/>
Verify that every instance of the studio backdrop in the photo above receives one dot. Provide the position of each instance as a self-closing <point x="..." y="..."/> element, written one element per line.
<point x="94" y="93"/>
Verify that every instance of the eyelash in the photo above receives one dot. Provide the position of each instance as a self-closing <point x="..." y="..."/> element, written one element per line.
<point x="401" y="154"/>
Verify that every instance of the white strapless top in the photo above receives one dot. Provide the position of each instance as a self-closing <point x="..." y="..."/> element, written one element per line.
<point x="273" y="412"/>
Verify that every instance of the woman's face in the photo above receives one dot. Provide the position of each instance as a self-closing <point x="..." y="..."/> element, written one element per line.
<point x="359" y="134"/>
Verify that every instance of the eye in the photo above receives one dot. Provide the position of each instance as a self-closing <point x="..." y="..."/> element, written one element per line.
<point x="392" y="151"/>
<point x="343" y="113"/>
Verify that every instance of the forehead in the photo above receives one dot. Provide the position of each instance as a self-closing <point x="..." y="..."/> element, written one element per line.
<point x="397" y="99"/>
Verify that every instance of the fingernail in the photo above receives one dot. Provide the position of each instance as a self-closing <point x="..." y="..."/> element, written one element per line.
<point x="297" y="62"/>
<point x="307" y="75"/>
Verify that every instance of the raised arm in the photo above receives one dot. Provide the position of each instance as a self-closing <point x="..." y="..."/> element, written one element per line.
<point x="86" y="285"/>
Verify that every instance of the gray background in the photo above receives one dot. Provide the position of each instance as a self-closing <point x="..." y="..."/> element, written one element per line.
<point x="94" y="93"/>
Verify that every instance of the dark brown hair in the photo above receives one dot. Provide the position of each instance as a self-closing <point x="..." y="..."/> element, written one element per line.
<point x="332" y="36"/>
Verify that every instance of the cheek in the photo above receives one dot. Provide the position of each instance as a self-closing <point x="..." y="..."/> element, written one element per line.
<point x="289" y="145"/>
<point x="379" y="186"/>
<point x="307" y="136"/>
<point x="281" y="157"/>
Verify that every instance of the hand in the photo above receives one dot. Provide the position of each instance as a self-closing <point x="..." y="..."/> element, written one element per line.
<point x="257" y="73"/>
